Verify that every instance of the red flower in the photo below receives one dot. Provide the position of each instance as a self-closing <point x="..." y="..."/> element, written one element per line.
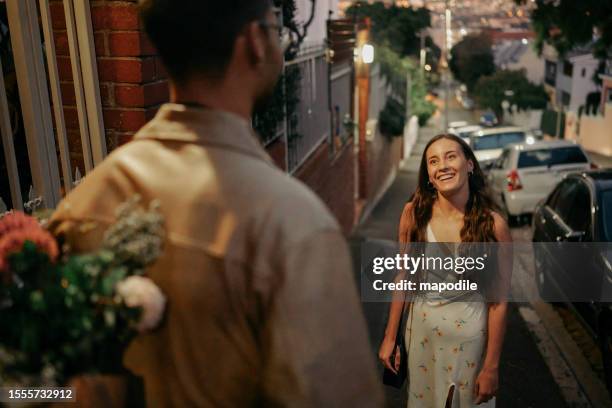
<point x="16" y="221"/>
<point x="17" y="228"/>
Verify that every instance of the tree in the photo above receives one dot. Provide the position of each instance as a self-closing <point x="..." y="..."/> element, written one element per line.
<point x="569" y="23"/>
<point x="394" y="69"/>
<point x="566" y="24"/>
<point x="472" y="58"/>
<point x="397" y="27"/>
<point x="491" y="91"/>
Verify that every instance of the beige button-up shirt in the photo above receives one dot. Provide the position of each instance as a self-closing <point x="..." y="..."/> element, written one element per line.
<point x="262" y="307"/>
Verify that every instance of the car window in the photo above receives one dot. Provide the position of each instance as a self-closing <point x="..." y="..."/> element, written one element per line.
<point x="515" y="137"/>
<point x="606" y="205"/>
<point x="485" y="142"/>
<point x="497" y="141"/>
<point x="561" y="201"/>
<point x="551" y="157"/>
<point x="579" y="217"/>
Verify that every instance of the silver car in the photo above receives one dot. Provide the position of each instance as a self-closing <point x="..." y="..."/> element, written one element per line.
<point x="525" y="173"/>
<point x="488" y="144"/>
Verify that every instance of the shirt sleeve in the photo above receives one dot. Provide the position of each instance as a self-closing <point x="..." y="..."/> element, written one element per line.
<point x="317" y="351"/>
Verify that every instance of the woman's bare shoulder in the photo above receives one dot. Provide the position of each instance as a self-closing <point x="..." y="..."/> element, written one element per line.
<point x="407" y="212"/>
<point x="501" y="228"/>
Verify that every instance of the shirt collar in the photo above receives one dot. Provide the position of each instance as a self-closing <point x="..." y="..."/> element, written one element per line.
<point x="181" y="123"/>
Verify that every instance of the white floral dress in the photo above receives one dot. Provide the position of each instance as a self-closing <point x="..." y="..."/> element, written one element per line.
<point x="445" y="343"/>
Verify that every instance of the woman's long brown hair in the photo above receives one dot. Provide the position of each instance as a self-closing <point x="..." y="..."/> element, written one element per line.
<point x="478" y="224"/>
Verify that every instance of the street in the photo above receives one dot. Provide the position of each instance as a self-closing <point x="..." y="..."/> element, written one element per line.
<point x="549" y="360"/>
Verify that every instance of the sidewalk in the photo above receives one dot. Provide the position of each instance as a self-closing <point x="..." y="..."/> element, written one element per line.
<point x="525" y="380"/>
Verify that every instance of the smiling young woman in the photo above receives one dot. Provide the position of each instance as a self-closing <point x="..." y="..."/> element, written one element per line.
<point x="454" y="344"/>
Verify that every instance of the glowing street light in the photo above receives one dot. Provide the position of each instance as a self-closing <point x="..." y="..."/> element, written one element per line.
<point x="367" y="53"/>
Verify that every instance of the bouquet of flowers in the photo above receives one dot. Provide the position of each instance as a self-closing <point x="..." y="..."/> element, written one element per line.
<point x="66" y="314"/>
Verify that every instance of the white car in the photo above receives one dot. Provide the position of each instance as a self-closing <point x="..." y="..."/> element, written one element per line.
<point x="456" y="124"/>
<point x="464" y="132"/>
<point x="525" y="173"/>
<point x="488" y="144"/>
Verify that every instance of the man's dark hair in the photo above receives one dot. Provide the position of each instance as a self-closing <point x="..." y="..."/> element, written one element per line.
<point x="198" y="36"/>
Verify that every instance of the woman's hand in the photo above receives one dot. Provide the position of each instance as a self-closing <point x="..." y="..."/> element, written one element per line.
<point x="486" y="385"/>
<point x="386" y="353"/>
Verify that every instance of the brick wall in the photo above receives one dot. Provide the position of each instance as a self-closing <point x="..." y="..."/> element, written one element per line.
<point x="133" y="82"/>
<point x="333" y="180"/>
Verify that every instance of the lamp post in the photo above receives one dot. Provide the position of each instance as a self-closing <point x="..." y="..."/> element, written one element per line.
<point x="364" y="54"/>
<point x="447" y="54"/>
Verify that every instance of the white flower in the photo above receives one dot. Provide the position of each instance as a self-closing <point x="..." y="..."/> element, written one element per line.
<point x="138" y="291"/>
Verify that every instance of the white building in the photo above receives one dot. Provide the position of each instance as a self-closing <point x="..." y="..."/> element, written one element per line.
<point x="520" y="55"/>
<point x="317" y="31"/>
<point x="570" y="78"/>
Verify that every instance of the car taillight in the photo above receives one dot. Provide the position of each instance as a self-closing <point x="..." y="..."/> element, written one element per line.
<point x="514" y="182"/>
<point x="594" y="166"/>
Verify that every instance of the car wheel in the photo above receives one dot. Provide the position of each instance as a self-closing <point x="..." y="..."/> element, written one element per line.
<point x="606" y="351"/>
<point x="542" y="282"/>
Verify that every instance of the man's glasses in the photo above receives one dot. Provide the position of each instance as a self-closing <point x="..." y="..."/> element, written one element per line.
<point x="283" y="33"/>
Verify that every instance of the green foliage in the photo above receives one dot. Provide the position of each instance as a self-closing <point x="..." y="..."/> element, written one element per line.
<point x="285" y="99"/>
<point x="472" y="58"/>
<point x="67" y="318"/>
<point x="396" y="27"/>
<point x="392" y="118"/>
<point x="395" y="69"/>
<point x="490" y="91"/>
<point x="566" y="24"/>
<point x="51" y="321"/>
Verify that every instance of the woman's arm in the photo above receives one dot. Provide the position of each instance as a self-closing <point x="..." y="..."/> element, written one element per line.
<point x="395" y="308"/>
<point x="488" y="378"/>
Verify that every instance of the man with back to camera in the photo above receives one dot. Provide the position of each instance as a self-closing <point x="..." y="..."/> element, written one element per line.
<point x="262" y="309"/>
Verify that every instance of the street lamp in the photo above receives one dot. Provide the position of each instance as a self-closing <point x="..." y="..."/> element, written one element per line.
<point x="367" y="54"/>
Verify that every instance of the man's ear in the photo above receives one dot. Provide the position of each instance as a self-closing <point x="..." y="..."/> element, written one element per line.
<point x="255" y="42"/>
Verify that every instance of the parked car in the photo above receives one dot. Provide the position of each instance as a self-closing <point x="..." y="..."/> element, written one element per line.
<point x="488" y="119"/>
<point x="579" y="209"/>
<point x="456" y="124"/>
<point x="525" y="173"/>
<point x="464" y="132"/>
<point x="489" y="143"/>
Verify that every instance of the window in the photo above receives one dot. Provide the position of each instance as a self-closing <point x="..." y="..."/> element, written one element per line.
<point x="497" y="141"/>
<point x="509" y="138"/>
<point x="607" y="213"/>
<point x="583" y="72"/>
<point x="550" y="72"/>
<point x="579" y="217"/>
<point x="485" y="142"/>
<point x="568" y="68"/>
<point x="551" y="157"/>
<point x="561" y="201"/>
<point x="565" y="98"/>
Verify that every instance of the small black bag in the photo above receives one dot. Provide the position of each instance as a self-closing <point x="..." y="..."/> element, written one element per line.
<point x="389" y="377"/>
